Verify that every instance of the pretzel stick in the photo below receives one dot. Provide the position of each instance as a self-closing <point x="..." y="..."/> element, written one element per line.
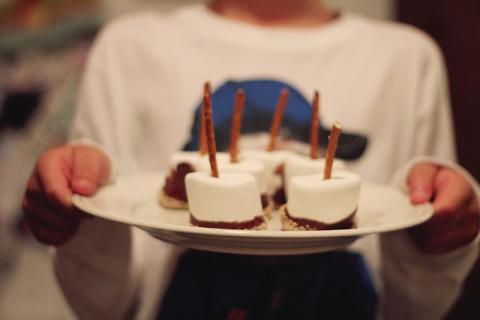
<point x="332" y="148"/>
<point x="236" y="125"/>
<point x="277" y="119"/>
<point x="209" y="129"/>
<point x="314" y="127"/>
<point x="202" y="136"/>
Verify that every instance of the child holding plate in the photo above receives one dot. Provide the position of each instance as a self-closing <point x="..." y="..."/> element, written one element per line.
<point x="385" y="82"/>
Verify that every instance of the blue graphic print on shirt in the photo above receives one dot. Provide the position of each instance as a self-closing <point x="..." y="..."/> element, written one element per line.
<point x="260" y="103"/>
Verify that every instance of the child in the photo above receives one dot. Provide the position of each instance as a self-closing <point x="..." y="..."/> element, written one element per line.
<point x="385" y="82"/>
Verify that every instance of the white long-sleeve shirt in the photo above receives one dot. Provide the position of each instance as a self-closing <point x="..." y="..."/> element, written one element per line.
<point x="143" y="81"/>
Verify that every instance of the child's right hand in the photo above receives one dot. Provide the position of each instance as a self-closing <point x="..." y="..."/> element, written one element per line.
<point x="59" y="173"/>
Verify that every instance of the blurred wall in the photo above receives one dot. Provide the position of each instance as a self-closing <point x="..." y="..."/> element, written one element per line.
<point x="115" y="7"/>
<point x="382" y="9"/>
<point x="455" y="25"/>
<point x="379" y="9"/>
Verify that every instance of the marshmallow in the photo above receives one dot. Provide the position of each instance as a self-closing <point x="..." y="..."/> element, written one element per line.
<point x="253" y="167"/>
<point x="325" y="201"/>
<point x="296" y="165"/>
<point x="233" y="197"/>
<point x="190" y="157"/>
<point x="272" y="161"/>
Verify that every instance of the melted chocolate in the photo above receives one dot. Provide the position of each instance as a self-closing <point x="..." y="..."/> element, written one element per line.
<point x="250" y="224"/>
<point x="175" y="182"/>
<point x="309" y="224"/>
<point x="279" y="197"/>
<point x="280" y="170"/>
<point x="264" y="199"/>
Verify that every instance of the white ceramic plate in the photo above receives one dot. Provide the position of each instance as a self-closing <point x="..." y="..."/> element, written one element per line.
<point x="133" y="200"/>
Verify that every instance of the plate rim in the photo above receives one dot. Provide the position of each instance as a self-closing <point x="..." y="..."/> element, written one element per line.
<point x="83" y="203"/>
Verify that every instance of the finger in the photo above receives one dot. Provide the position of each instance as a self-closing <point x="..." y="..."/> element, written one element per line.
<point x="444" y="233"/>
<point x="49" y="236"/>
<point x="83" y="214"/>
<point x="52" y="174"/>
<point x="474" y="206"/>
<point x="91" y="168"/>
<point x="420" y="182"/>
<point x="41" y="213"/>
<point x="470" y="220"/>
<point x="452" y="192"/>
<point x="455" y="238"/>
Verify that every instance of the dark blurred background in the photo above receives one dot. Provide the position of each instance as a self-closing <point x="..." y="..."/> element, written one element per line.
<point x="43" y="45"/>
<point x="455" y="25"/>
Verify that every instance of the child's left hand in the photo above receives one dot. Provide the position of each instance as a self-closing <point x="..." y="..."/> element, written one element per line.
<point x="456" y="220"/>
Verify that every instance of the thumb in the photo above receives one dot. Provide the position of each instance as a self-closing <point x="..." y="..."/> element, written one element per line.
<point x="420" y="182"/>
<point x="91" y="168"/>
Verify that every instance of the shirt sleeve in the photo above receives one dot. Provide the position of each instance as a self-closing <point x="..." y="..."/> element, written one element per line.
<point x="434" y="132"/>
<point x="99" y="269"/>
<point x="416" y="285"/>
<point x="102" y="114"/>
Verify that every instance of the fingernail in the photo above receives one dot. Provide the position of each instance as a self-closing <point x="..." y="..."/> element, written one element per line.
<point x="83" y="186"/>
<point x="421" y="195"/>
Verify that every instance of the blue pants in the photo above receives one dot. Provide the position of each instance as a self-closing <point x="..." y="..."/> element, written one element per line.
<point x="211" y="286"/>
